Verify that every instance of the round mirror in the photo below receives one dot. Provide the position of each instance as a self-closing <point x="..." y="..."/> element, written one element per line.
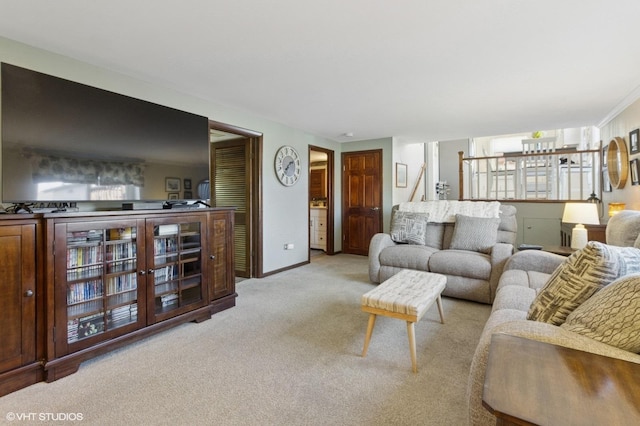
<point x="617" y="162"/>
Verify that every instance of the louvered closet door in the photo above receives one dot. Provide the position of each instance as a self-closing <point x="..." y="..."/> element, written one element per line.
<point x="231" y="176"/>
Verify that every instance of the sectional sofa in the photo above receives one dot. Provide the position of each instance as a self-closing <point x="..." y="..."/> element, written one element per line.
<point x="588" y="301"/>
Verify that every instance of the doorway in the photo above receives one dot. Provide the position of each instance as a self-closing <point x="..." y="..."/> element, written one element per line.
<point x="236" y="181"/>
<point x="321" y="199"/>
<point x="361" y="199"/>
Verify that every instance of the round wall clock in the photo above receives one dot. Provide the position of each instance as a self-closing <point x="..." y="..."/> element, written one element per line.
<point x="287" y="165"/>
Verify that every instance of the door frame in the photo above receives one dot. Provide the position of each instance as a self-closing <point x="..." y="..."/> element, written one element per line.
<point x="330" y="196"/>
<point x="255" y="191"/>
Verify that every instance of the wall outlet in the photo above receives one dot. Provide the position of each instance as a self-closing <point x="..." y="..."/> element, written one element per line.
<point x="288" y="246"/>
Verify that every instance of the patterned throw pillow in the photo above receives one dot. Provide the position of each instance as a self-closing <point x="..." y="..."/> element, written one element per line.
<point x="475" y="233"/>
<point x="612" y="315"/>
<point x="409" y="228"/>
<point x="579" y="277"/>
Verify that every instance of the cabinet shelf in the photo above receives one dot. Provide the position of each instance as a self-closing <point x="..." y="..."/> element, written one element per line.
<point x="122" y="298"/>
<point x="84" y="309"/>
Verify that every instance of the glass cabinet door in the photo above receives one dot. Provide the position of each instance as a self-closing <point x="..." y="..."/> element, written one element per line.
<point x="101" y="280"/>
<point x="177" y="266"/>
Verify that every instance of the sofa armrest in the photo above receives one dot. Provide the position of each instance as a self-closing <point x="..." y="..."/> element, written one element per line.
<point x="500" y="254"/>
<point x="378" y="243"/>
<point x="535" y="260"/>
<point x="533" y="330"/>
<point x="548" y="333"/>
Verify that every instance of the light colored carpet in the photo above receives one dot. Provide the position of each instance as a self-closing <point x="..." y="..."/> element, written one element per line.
<point x="287" y="354"/>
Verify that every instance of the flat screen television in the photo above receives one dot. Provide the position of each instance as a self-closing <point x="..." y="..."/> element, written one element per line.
<point x="63" y="141"/>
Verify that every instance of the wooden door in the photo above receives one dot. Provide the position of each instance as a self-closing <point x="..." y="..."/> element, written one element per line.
<point x="17" y="296"/>
<point x="248" y="223"/>
<point x="318" y="184"/>
<point x="231" y="177"/>
<point x="361" y="199"/>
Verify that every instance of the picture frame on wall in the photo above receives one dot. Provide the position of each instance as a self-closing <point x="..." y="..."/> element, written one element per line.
<point x="188" y="195"/>
<point x="401" y="175"/>
<point x="634" y="141"/>
<point x="172" y="184"/>
<point x="634" y="165"/>
<point x="606" y="184"/>
<point x="173" y="196"/>
<point x="187" y="184"/>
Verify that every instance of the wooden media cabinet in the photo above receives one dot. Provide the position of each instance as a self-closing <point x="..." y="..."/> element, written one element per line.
<point x="77" y="285"/>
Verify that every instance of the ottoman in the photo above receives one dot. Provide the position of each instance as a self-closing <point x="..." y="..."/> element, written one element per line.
<point x="406" y="296"/>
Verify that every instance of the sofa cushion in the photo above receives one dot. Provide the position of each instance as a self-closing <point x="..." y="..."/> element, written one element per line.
<point x="409" y="228"/>
<point x="407" y="256"/>
<point x="435" y="235"/>
<point x="461" y="263"/>
<point x="612" y="315"/>
<point x="579" y="277"/>
<point x="623" y="229"/>
<point x="475" y="233"/>
<point x="514" y="297"/>
<point x="518" y="277"/>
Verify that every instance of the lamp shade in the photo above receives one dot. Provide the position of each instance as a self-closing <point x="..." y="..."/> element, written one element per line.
<point x="584" y="213"/>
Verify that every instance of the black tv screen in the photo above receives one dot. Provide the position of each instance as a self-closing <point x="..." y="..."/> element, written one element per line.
<point x="63" y="141"/>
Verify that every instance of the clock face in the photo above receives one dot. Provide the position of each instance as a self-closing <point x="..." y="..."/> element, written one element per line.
<point x="287" y="165"/>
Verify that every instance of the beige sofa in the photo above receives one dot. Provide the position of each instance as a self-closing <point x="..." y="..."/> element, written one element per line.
<point x="471" y="273"/>
<point x="525" y="274"/>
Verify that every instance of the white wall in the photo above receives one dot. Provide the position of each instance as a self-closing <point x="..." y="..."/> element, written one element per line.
<point x="285" y="210"/>
<point x="449" y="164"/>
<point x="411" y="153"/>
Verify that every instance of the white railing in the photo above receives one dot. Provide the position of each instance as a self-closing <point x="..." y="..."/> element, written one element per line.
<point x="561" y="175"/>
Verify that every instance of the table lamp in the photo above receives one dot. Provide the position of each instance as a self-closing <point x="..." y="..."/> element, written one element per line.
<point x="581" y="214"/>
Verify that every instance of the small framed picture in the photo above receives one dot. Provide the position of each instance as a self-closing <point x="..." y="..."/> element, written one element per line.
<point x="187" y="183"/>
<point x="634" y="165"/>
<point x="188" y="194"/>
<point x="173" y="196"/>
<point x="172" y="184"/>
<point x="401" y="175"/>
<point x="604" y="155"/>
<point x="634" y="142"/>
<point x="606" y="184"/>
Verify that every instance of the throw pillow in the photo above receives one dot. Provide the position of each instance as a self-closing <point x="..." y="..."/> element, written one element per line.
<point x="475" y="233"/>
<point x="409" y="227"/>
<point x="579" y="277"/>
<point x="612" y="315"/>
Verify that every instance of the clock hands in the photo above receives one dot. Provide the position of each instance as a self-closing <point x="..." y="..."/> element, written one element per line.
<point x="289" y="164"/>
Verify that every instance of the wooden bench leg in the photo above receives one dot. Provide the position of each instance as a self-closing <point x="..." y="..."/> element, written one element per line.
<point x="439" y="302"/>
<point x="372" y="322"/>
<point x="411" y="331"/>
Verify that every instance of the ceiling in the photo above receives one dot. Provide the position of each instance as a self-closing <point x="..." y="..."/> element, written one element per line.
<point x="414" y="69"/>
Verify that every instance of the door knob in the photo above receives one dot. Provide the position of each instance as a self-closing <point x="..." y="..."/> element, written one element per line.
<point x="375" y="209"/>
<point x="28" y="293"/>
